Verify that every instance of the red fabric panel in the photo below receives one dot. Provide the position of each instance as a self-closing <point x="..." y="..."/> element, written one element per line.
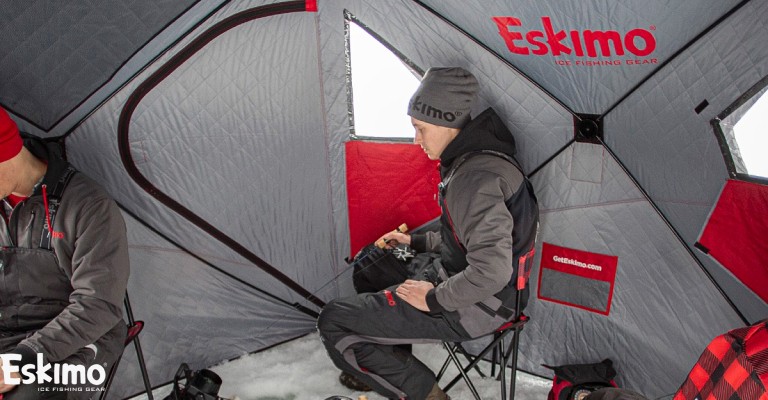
<point x="388" y="184"/>
<point x="311" y="5"/>
<point x="735" y="234"/>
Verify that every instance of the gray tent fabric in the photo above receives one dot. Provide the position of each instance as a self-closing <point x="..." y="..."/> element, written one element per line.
<point x="220" y="130"/>
<point x="208" y="311"/>
<point x="715" y="69"/>
<point x="588" y="89"/>
<point x="609" y="215"/>
<point x="44" y="44"/>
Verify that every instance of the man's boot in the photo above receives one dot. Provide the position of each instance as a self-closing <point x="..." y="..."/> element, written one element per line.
<point x="351" y="382"/>
<point x="437" y="394"/>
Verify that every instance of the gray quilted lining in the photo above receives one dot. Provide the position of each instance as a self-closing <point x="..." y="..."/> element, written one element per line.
<point x="197" y="146"/>
<point x="55" y="57"/>
<point x="193" y="314"/>
<point x="586" y="89"/>
<point x="177" y="154"/>
<point x="658" y="285"/>
<point x="671" y="150"/>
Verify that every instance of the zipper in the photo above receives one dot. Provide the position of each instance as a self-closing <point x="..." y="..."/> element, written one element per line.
<point x="28" y="230"/>
<point x="12" y="222"/>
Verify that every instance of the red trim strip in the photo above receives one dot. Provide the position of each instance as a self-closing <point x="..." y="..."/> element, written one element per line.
<point x="311" y="5"/>
<point x="390" y="299"/>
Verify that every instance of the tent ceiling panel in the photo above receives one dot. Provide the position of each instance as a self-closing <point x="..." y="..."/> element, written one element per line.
<point x="56" y="55"/>
<point x="553" y="40"/>
<point x="654" y="270"/>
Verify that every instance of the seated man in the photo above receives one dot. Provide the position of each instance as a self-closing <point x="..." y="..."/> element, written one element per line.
<point x="488" y="230"/>
<point x="63" y="272"/>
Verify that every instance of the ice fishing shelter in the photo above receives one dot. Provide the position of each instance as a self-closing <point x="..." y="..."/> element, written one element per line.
<point x="225" y="132"/>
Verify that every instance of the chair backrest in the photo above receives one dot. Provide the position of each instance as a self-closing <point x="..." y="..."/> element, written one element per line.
<point x="525" y="265"/>
<point x="133" y="331"/>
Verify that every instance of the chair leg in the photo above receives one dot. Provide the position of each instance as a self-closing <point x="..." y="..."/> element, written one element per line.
<point x="495" y="357"/>
<point x="502" y="370"/>
<point x="442" y="369"/>
<point x="452" y="355"/>
<point x="477" y="360"/>
<point x="469" y="359"/>
<point x="110" y="378"/>
<point x="513" y="350"/>
<point x="139" y="353"/>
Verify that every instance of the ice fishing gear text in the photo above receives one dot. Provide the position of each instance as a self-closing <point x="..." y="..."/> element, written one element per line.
<point x="42" y="373"/>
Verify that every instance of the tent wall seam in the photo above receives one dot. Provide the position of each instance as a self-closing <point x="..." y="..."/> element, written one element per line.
<point x="674" y="56"/>
<point x="674" y="232"/>
<point x="334" y="244"/>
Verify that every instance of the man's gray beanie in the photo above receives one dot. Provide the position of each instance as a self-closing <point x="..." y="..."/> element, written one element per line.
<point x="444" y="97"/>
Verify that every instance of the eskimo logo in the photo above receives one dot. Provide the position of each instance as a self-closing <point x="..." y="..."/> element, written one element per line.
<point x="41" y="373"/>
<point x="433" y="112"/>
<point x="640" y="42"/>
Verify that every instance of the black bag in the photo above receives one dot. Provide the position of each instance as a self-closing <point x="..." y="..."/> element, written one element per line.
<point x="615" y="394"/>
<point x="376" y="269"/>
<point x="577" y="381"/>
<point x="198" y="385"/>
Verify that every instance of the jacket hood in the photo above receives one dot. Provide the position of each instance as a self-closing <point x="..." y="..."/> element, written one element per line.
<point x="485" y="132"/>
<point x="49" y="152"/>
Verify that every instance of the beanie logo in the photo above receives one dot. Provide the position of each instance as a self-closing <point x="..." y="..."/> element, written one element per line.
<point x="433" y="112"/>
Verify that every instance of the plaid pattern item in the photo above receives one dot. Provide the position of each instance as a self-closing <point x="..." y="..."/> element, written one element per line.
<point x="733" y="367"/>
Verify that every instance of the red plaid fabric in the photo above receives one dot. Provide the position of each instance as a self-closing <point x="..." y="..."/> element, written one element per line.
<point x="733" y="367"/>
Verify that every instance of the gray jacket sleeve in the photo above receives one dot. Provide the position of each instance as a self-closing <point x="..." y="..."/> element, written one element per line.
<point x="475" y="201"/>
<point x="98" y="265"/>
<point x="429" y="241"/>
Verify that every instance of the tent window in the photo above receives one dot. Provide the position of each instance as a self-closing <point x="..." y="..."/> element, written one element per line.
<point x="380" y="81"/>
<point x="743" y="131"/>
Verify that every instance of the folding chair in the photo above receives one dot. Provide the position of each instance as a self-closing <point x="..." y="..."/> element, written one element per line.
<point x="500" y="354"/>
<point x="134" y="328"/>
